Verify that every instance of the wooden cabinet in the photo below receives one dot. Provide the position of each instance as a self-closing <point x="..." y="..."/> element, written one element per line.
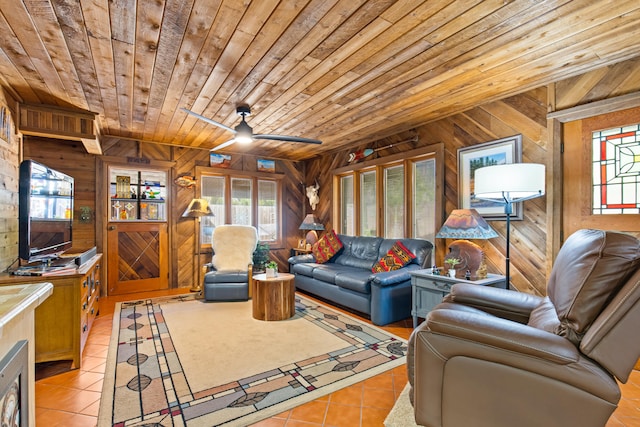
<point x="429" y="289"/>
<point x="63" y="321"/>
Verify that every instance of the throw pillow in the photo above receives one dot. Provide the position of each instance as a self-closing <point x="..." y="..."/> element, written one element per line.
<point x="325" y="248"/>
<point x="397" y="257"/>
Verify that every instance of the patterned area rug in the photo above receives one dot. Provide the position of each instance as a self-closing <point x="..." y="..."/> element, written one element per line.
<point x="178" y="361"/>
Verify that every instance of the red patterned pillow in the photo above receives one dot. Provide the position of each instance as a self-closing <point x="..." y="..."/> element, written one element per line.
<point x="325" y="248"/>
<point x="397" y="257"/>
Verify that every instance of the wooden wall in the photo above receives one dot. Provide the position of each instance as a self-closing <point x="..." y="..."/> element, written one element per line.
<point x="524" y="114"/>
<point x="9" y="164"/>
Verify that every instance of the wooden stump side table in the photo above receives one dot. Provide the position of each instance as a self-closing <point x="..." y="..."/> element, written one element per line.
<point x="273" y="297"/>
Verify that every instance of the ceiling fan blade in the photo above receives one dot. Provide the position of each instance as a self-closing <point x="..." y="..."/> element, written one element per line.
<point x="223" y="145"/>
<point x="208" y="120"/>
<point x="288" y="138"/>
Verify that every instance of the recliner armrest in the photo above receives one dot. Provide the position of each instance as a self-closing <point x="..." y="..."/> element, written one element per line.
<point x="507" y="304"/>
<point x="500" y="333"/>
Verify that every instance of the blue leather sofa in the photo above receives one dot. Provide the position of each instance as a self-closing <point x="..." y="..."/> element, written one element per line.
<point x="347" y="279"/>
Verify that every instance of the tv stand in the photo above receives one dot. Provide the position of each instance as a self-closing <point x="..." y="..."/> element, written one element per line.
<point x="63" y="321"/>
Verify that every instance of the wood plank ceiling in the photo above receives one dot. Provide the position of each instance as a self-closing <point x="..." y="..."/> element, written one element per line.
<point x="343" y="71"/>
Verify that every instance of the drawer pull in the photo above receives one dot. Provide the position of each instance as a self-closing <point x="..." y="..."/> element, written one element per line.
<point x="442" y="286"/>
<point x="92" y="311"/>
<point x="84" y="328"/>
<point x="84" y="306"/>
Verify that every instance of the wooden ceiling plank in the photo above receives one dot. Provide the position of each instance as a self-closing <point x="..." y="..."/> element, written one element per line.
<point x="253" y="52"/>
<point x="366" y="14"/>
<point x="282" y="53"/>
<point x="28" y="36"/>
<point x="99" y="33"/>
<point x="123" y="66"/>
<point x="487" y="8"/>
<point x="337" y="13"/>
<point x="219" y="34"/>
<point x="147" y="40"/>
<point x="435" y="84"/>
<point x="196" y="57"/>
<point x="280" y="19"/>
<point x="19" y="69"/>
<point x="174" y="27"/>
<point x="74" y="55"/>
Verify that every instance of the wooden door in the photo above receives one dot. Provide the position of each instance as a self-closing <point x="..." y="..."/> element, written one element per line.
<point x="579" y="167"/>
<point x="138" y="257"/>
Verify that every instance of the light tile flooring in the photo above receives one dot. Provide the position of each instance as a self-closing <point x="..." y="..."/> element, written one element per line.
<point x="72" y="398"/>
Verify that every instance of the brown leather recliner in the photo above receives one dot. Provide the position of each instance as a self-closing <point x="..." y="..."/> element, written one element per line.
<point x="488" y="357"/>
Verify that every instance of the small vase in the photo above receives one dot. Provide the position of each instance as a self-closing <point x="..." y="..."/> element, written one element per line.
<point x="452" y="272"/>
<point x="271" y="272"/>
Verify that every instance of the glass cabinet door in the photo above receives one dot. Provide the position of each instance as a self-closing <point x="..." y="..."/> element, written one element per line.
<point x="137" y="195"/>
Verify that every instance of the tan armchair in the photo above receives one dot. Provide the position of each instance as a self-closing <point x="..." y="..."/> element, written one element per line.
<point x="489" y="357"/>
<point x="233" y="247"/>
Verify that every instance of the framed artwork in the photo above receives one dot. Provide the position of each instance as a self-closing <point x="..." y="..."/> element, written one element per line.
<point x="499" y="152"/>
<point x="219" y="160"/>
<point x="266" y="165"/>
<point x="14" y="386"/>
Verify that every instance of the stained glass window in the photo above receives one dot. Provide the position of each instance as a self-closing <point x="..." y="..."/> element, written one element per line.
<point x="616" y="171"/>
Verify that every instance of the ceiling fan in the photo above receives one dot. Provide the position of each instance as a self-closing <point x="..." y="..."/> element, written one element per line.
<point x="243" y="133"/>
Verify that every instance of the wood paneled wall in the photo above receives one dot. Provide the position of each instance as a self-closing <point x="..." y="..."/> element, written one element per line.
<point x="182" y="230"/>
<point x="9" y="165"/>
<point x="524" y="114"/>
<point x="520" y="114"/>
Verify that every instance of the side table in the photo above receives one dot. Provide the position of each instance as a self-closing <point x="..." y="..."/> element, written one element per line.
<point x="300" y="251"/>
<point x="427" y="290"/>
<point x="273" y="297"/>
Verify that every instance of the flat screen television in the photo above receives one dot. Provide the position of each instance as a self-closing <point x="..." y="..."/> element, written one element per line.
<point x="45" y="212"/>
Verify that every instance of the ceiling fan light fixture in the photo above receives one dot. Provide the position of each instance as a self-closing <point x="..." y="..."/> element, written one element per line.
<point x="244" y="132"/>
<point x="243" y="139"/>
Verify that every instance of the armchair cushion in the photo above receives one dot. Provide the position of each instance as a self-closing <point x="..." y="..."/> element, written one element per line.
<point x="590" y="268"/>
<point x="233" y="247"/>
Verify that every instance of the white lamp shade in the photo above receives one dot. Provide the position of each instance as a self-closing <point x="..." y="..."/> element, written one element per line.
<point x="515" y="182"/>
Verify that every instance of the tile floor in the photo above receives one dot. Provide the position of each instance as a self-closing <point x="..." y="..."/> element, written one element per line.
<point x="72" y="398"/>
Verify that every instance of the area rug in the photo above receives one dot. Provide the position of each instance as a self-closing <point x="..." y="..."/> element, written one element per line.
<point x="401" y="414"/>
<point x="180" y="361"/>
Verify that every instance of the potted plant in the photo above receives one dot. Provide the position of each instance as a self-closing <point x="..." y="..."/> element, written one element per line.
<point x="260" y="257"/>
<point x="271" y="269"/>
<point x="451" y="263"/>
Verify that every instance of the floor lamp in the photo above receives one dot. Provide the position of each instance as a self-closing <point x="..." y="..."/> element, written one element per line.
<point x="197" y="209"/>
<point x="509" y="184"/>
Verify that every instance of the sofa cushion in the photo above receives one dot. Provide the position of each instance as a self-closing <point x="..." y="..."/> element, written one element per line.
<point x="356" y="280"/>
<point x="326" y="274"/>
<point x="325" y="248"/>
<point x="589" y="270"/>
<point x="305" y="269"/>
<point x="360" y="252"/>
<point x="397" y="257"/>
